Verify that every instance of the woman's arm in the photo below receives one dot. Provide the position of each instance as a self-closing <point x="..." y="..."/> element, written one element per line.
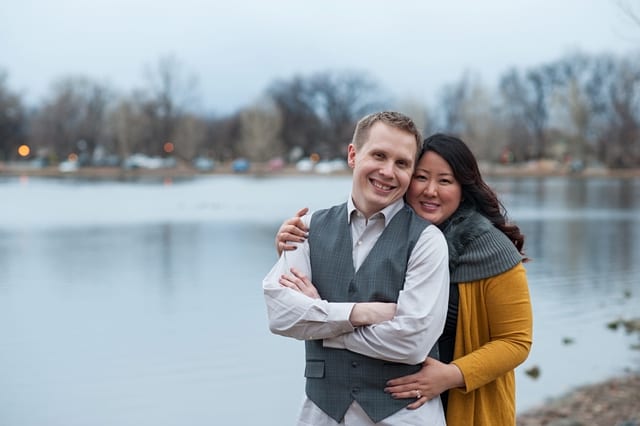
<point x="508" y="305"/>
<point x="510" y="327"/>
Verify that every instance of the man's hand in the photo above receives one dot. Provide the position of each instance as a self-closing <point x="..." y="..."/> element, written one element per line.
<point x="299" y="282"/>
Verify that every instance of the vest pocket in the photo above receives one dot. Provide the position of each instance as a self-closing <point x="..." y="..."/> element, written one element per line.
<point x="314" y="369"/>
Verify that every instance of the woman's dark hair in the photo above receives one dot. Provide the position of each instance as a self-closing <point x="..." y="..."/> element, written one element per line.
<point x="475" y="191"/>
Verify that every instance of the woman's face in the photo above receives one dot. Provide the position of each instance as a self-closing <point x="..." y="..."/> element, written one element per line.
<point x="434" y="193"/>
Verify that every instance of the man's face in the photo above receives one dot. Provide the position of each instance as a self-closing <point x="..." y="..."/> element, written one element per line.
<point x="382" y="167"/>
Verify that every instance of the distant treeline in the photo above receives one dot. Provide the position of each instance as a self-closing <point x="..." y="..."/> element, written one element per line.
<point x="581" y="108"/>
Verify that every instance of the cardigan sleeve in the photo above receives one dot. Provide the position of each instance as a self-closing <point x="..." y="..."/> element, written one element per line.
<point x="495" y="327"/>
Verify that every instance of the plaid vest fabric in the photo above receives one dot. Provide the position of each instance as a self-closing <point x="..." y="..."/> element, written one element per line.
<point x="336" y="377"/>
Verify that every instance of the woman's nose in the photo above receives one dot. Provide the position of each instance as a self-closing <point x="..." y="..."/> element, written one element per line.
<point x="431" y="189"/>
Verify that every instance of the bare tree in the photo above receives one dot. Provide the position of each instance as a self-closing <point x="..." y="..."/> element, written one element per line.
<point x="223" y="135"/>
<point x="483" y="127"/>
<point x="190" y="136"/>
<point x="630" y="11"/>
<point x="468" y="111"/>
<point x="625" y="131"/>
<point x="169" y="94"/>
<point x="451" y="101"/>
<point x="301" y="127"/>
<point x="73" y="118"/>
<point x="525" y="101"/>
<point x="260" y="127"/>
<point x="320" y="111"/>
<point x="12" y="120"/>
<point x="340" y="99"/>
<point x="419" y="112"/>
<point x="129" y="127"/>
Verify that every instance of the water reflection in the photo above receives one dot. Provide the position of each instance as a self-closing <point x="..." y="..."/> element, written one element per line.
<point x="149" y="311"/>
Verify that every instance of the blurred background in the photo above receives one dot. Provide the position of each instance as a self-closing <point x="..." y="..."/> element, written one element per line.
<point x="150" y="150"/>
<point x="147" y="84"/>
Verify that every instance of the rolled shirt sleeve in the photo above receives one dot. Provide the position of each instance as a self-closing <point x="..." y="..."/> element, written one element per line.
<point x="420" y="313"/>
<point x="293" y="314"/>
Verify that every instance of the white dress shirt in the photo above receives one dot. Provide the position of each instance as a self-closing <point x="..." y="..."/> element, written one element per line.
<point x="407" y="338"/>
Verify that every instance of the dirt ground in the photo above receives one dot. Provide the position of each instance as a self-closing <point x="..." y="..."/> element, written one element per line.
<point x="615" y="402"/>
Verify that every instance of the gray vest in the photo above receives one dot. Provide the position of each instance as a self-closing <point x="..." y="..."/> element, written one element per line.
<point x="336" y="377"/>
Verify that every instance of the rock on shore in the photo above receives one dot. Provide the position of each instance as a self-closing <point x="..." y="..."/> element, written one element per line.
<point x="615" y="402"/>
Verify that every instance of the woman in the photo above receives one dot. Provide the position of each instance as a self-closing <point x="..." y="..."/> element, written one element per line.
<point x="489" y="323"/>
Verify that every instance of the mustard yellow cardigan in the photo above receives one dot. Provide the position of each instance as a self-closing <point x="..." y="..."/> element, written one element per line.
<point x="493" y="336"/>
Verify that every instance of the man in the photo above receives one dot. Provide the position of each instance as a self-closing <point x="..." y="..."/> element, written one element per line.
<point x="379" y="295"/>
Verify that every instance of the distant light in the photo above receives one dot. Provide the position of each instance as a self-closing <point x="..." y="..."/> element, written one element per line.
<point x="168" y="147"/>
<point x="73" y="157"/>
<point x="24" y="150"/>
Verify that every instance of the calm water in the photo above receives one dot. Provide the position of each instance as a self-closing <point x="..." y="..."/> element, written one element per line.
<point x="140" y="303"/>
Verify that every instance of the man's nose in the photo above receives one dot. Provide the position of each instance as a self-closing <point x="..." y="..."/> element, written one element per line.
<point x="387" y="168"/>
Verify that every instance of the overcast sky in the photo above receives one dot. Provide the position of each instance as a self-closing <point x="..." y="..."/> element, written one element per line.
<point x="236" y="48"/>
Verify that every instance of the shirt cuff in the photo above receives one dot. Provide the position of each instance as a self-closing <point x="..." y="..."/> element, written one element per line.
<point x="334" y="342"/>
<point x="339" y="314"/>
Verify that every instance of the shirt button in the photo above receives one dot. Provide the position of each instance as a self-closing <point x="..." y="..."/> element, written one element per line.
<point x="359" y="243"/>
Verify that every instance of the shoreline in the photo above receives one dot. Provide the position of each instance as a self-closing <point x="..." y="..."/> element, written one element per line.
<point x="613" y="402"/>
<point x="182" y="171"/>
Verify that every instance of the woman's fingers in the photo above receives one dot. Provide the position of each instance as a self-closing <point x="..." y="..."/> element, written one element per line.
<point x="404" y="381"/>
<point x="402" y="390"/>
<point x="418" y="403"/>
<point x="293" y="233"/>
<point x="302" y="211"/>
<point x="407" y="392"/>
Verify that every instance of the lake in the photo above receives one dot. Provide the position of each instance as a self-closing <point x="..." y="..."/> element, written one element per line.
<point x="139" y="303"/>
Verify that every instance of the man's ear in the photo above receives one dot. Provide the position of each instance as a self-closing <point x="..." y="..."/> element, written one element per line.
<point x="351" y="155"/>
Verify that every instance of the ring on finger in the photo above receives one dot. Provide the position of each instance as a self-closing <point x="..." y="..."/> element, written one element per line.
<point x="418" y="394"/>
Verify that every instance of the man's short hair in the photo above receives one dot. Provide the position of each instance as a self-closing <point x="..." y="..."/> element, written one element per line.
<point x="390" y="118"/>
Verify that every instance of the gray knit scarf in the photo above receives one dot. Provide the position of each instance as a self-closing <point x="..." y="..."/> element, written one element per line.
<point x="477" y="249"/>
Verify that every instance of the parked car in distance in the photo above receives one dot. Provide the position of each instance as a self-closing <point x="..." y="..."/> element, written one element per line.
<point x="203" y="164"/>
<point x="240" y="165"/>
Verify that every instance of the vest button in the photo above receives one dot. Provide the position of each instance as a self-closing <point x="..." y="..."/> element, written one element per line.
<point x="354" y="364"/>
<point x="355" y="390"/>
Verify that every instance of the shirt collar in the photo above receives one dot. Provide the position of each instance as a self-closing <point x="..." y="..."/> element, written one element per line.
<point x="387" y="213"/>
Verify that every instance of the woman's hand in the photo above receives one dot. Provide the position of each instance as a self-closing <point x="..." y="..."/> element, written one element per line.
<point x="299" y="282"/>
<point x="291" y="230"/>
<point x="434" y="378"/>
